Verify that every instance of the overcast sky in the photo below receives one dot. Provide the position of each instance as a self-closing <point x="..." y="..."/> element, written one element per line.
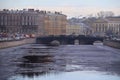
<point x="69" y="7"/>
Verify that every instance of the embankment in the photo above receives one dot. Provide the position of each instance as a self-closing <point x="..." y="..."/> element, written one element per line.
<point x="6" y="44"/>
<point x="112" y="43"/>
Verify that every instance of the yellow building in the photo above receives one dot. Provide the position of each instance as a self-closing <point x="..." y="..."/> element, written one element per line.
<point x="51" y="23"/>
<point x="55" y="24"/>
<point x="75" y="29"/>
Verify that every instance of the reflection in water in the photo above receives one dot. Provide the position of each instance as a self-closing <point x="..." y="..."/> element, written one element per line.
<point x="77" y="75"/>
<point x="38" y="58"/>
<point x="72" y="62"/>
<point x="32" y="74"/>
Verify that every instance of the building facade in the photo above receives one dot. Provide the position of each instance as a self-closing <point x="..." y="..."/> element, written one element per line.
<point x="99" y="27"/>
<point x="76" y="29"/>
<point x="55" y="24"/>
<point x="18" y="21"/>
<point x="30" y="21"/>
<point x="107" y="26"/>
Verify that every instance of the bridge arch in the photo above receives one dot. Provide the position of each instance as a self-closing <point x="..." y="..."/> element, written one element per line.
<point x="97" y="43"/>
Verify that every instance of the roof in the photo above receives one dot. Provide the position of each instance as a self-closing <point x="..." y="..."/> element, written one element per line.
<point x="113" y="19"/>
<point x="101" y="20"/>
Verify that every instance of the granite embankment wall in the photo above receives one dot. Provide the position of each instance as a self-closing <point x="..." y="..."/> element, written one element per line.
<point x="112" y="43"/>
<point x="6" y="44"/>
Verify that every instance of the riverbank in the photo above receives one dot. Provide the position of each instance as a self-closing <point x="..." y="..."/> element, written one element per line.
<point x="12" y="43"/>
<point x="112" y="43"/>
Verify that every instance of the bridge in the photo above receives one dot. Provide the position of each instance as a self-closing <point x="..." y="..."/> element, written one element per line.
<point x="68" y="39"/>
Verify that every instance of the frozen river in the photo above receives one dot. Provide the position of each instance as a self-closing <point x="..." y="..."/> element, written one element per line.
<point x="65" y="62"/>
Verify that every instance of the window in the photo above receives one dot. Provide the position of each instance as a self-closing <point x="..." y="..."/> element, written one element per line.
<point x="102" y="25"/>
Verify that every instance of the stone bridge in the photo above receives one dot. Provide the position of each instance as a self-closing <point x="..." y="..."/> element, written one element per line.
<point x="68" y="39"/>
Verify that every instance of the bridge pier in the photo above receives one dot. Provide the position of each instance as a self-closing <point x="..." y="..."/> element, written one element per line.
<point x="55" y="43"/>
<point x="76" y="42"/>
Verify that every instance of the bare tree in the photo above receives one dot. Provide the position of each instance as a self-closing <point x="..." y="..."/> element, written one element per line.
<point x="103" y="14"/>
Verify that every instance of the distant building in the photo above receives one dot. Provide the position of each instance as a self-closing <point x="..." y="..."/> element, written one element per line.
<point x="107" y="26"/>
<point x="99" y="27"/>
<point x="77" y="26"/>
<point x="76" y="29"/>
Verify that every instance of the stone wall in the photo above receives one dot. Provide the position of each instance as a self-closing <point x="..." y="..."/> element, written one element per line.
<point x="6" y="44"/>
<point x="115" y="44"/>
